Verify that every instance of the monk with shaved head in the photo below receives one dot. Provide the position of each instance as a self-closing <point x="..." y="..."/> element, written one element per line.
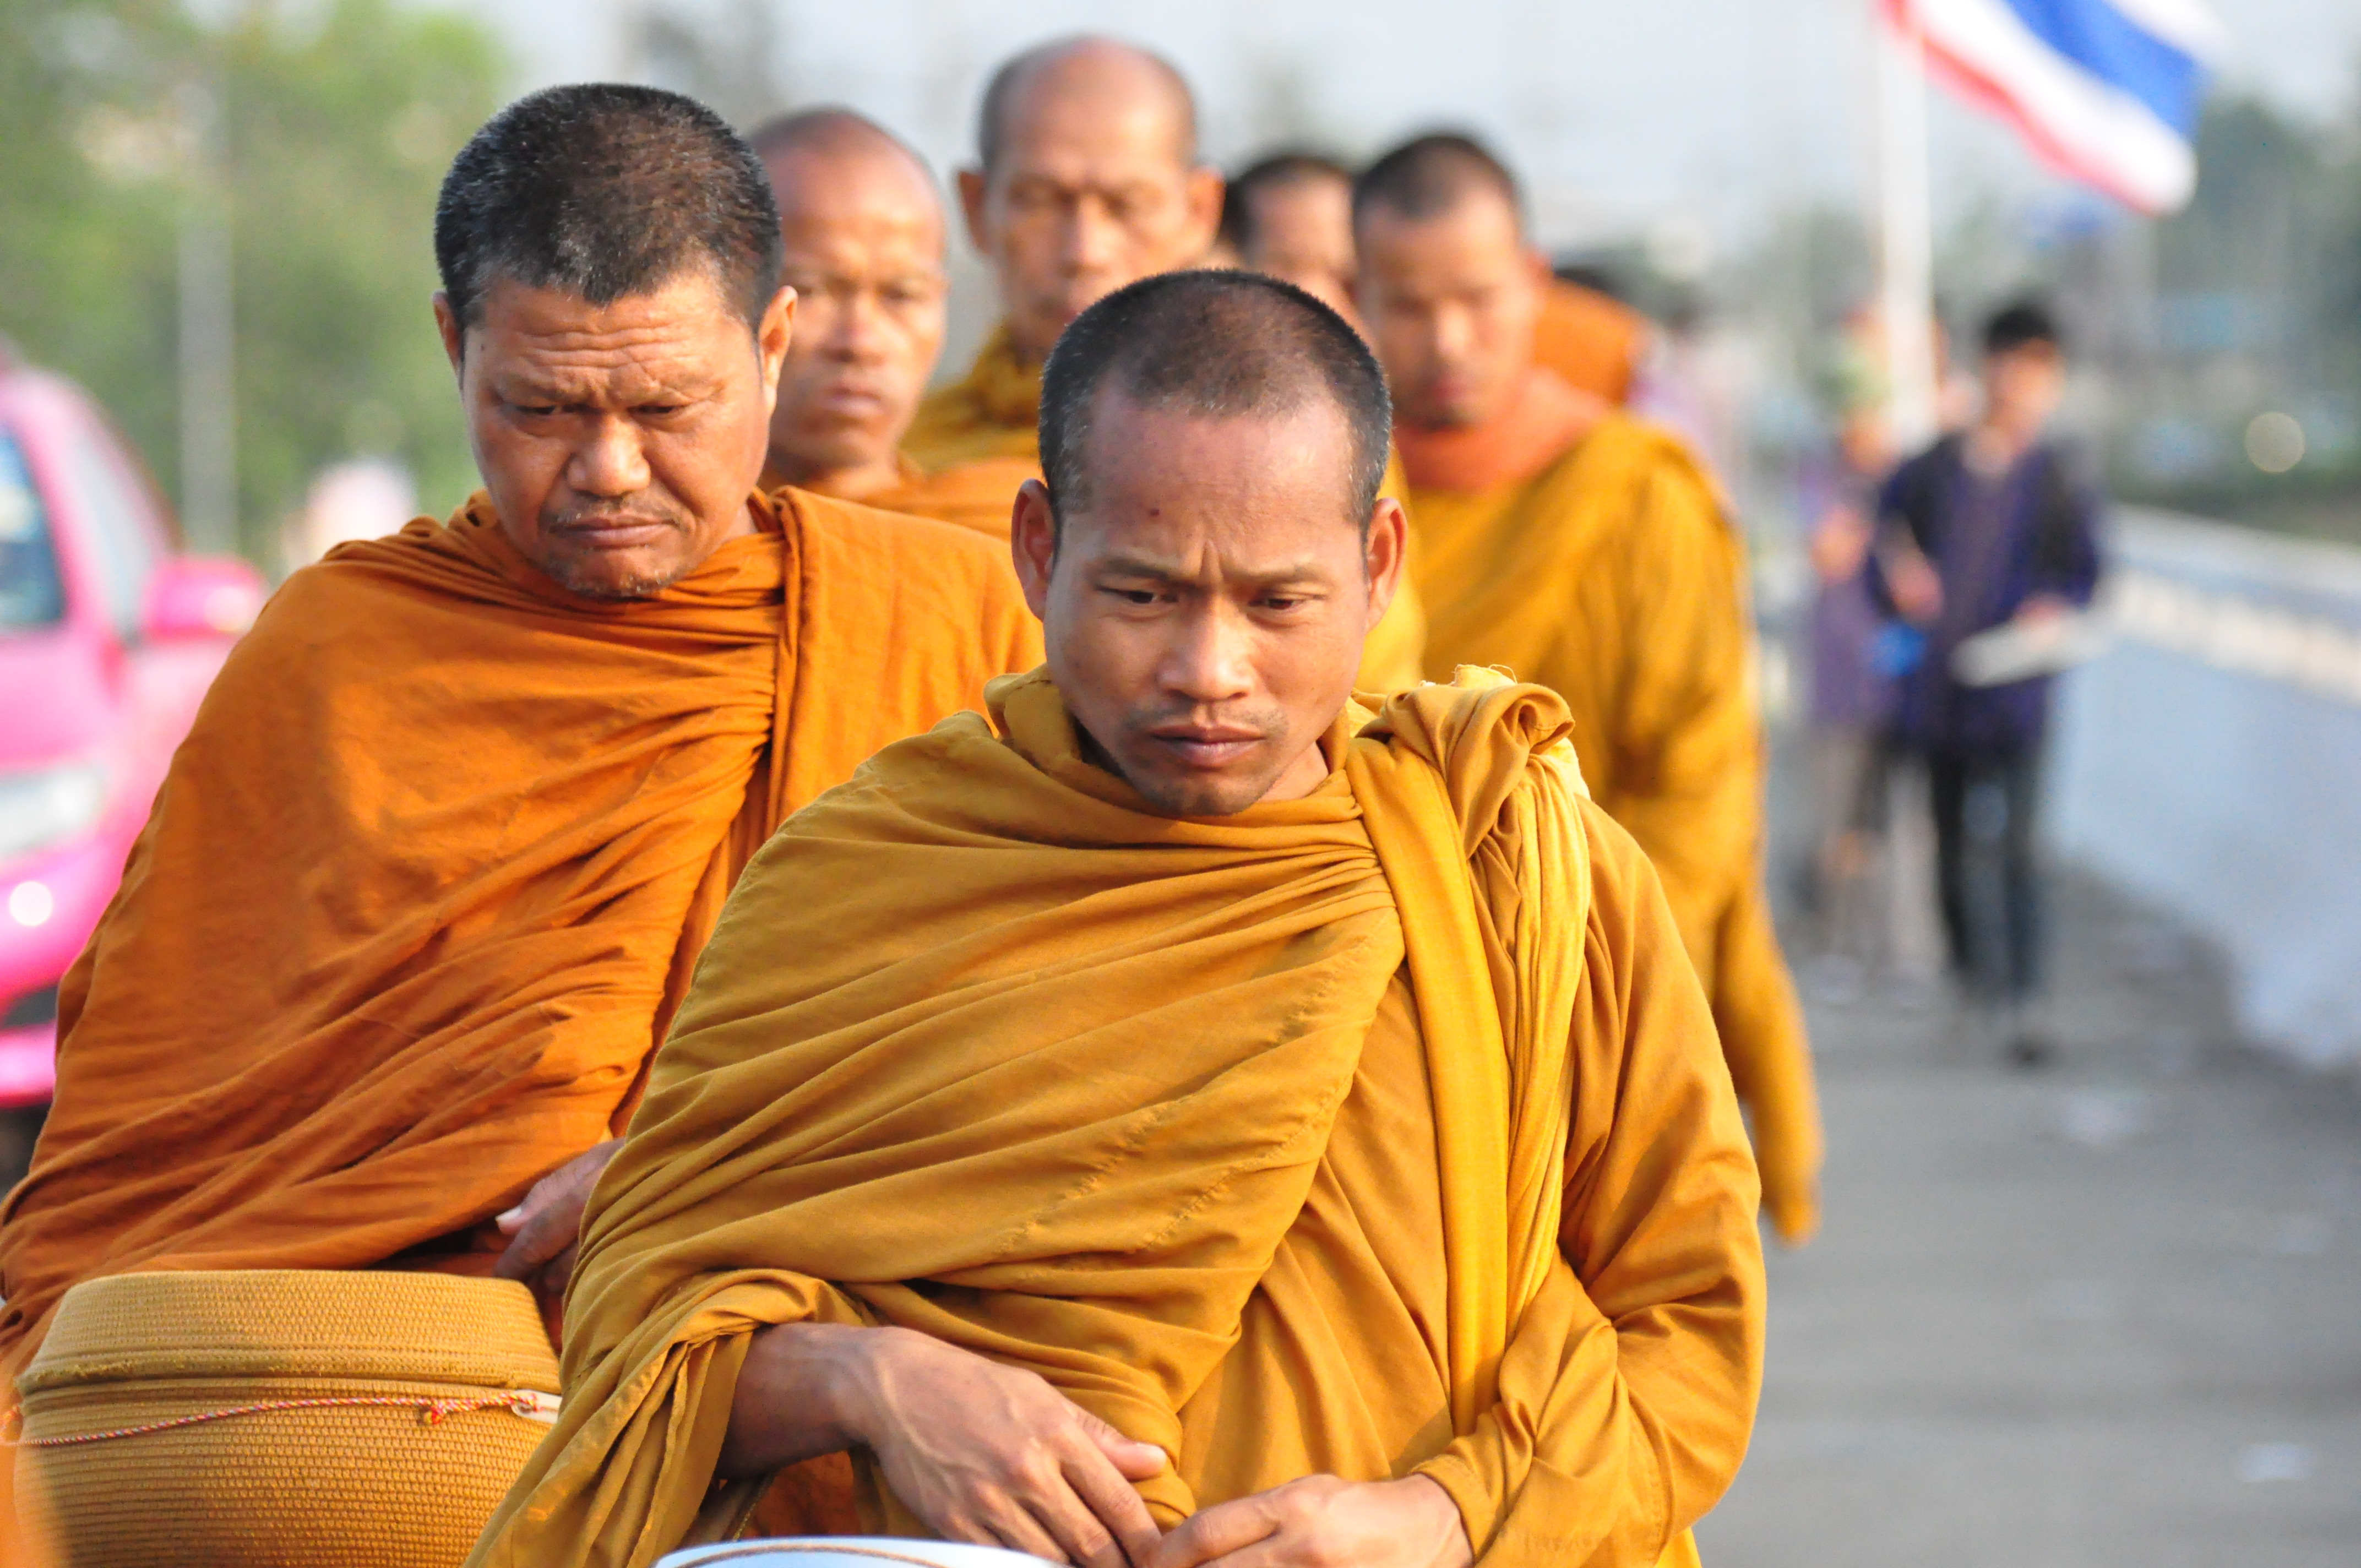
<point x="864" y="232"/>
<point x="1087" y="178"/>
<point x="1580" y="548"/>
<point x="1190" y="1117"/>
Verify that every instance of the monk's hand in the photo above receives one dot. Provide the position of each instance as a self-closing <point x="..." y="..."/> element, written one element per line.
<point x="545" y="1229"/>
<point x="1324" y="1522"/>
<point x="981" y="1452"/>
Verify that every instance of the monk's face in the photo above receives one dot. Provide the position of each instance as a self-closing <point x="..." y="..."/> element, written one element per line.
<point x="619" y="443"/>
<point x="1092" y="189"/>
<point x="1450" y="302"/>
<point x="1303" y="236"/>
<point x="1205" y="603"/>
<point x="864" y="243"/>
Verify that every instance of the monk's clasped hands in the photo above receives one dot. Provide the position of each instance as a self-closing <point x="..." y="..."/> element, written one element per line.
<point x="1322" y="1522"/>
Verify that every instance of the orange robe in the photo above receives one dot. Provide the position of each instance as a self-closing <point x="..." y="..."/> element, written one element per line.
<point x="982" y="431"/>
<point x="426" y="880"/>
<point x="1586" y="551"/>
<point x="1592" y="342"/>
<point x="974" y="494"/>
<point x="1378" y="1132"/>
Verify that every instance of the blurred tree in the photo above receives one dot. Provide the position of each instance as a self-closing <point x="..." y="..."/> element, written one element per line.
<point x="336" y="123"/>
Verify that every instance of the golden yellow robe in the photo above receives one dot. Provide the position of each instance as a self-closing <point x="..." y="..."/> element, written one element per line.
<point x="983" y="430"/>
<point x="1376" y="1132"/>
<point x="1608" y="572"/>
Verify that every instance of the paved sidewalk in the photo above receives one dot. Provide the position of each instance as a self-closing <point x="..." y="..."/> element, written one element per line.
<point x="2102" y="1312"/>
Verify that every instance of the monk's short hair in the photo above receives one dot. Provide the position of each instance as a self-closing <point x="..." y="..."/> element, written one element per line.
<point x="1215" y="345"/>
<point x="1279" y="171"/>
<point x="1427" y="176"/>
<point x="607" y="191"/>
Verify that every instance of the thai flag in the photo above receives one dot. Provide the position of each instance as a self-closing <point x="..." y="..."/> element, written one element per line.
<point x="2106" y="91"/>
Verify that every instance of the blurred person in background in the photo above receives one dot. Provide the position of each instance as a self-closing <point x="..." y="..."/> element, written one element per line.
<point x="1851" y="697"/>
<point x="1869" y="875"/>
<point x="1990" y="530"/>
<point x="1087" y="178"/>
<point x="426" y="881"/>
<point x="1588" y="552"/>
<point x="361" y="498"/>
<point x="1289" y="216"/>
<point x="865" y="233"/>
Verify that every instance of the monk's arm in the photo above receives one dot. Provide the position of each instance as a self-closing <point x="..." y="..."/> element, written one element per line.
<point x="980" y="1451"/>
<point x="1686" y="780"/>
<point x="1629" y="1389"/>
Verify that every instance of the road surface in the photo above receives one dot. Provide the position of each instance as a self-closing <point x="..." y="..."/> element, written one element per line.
<point x="2105" y="1312"/>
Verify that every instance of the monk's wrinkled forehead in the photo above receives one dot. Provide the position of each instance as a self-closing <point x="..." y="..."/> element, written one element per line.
<point x="1086" y="89"/>
<point x="678" y="343"/>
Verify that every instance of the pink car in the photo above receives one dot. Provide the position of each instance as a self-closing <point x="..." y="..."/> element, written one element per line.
<point x="108" y="639"/>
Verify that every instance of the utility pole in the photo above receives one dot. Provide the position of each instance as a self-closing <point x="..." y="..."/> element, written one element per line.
<point x="208" y="345"/>
<point x="1906" y="294"/>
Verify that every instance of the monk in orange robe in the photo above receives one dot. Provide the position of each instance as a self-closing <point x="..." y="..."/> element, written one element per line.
<point x="863" y="231"/>
<point x="428" y="879"/>
<point x="1087" y="178"/>
<point x="1582" y="549"/>
<point x="1187" y="1116"/>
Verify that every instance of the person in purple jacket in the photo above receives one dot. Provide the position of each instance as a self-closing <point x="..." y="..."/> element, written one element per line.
<point x="1985" y="529"/>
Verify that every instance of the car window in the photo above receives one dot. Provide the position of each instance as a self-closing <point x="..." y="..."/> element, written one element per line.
<point x="31" y="592"/>
<point x="123" y="537"/>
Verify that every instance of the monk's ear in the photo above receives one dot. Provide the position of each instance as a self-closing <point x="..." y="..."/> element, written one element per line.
<point x="1033" y="543"/>
<point x="972" y="189"/>
<point x="1204" y="194"/>
<point x="454" y="336"/>
<point x="773" y="333"/>
<point x="1539" y="266"/>
<point x="1385" y="553"/>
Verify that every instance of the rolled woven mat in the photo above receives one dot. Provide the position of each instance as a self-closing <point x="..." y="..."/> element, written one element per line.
<point x="280" y="1418"/>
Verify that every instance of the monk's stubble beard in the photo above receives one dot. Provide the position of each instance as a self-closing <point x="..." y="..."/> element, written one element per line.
<point x="1186" y="793"/>
<point x="573" y="569"/>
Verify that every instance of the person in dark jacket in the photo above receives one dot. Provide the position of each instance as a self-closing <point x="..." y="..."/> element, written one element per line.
<point x="1987" y="529"/>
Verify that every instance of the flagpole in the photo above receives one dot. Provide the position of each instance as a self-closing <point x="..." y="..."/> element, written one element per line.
<point x="1906" y="225"/>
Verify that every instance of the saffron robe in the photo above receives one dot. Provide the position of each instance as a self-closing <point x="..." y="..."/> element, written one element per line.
<point x="1582" y="549"/>
<point x="975" y="496"/>
<point x="424" y="883"/>
<point x="1591" y="341"/>
<point x="1376" y="1132"/>
<point x="983" y="431"/>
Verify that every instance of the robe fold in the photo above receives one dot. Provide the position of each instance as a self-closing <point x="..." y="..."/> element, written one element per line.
<point x="427" y="878"/>
<point x="984" y="1047"/>
<point x="1592" y="341"/>
<point x="1599" y="563"/>
<point x="974" y="494"/>
<point x="983" y="431"/>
